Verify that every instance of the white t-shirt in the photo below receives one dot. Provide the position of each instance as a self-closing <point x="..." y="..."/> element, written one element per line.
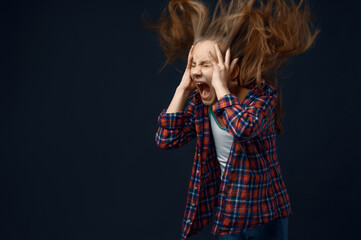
<point x="223" y="140"/>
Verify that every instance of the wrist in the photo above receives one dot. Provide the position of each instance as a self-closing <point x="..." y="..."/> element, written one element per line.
<point x="221" y="90"/>
<point x="219" y="85"/>
<point x="182" y="91"/>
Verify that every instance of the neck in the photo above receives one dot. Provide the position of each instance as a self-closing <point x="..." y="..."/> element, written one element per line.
<point x="240" y="92"/>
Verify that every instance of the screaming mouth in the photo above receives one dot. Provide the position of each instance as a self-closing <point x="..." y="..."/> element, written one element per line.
<point x="204" y="90"/>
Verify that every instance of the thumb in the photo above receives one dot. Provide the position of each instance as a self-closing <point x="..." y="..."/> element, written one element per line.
<point x="193" y="86"/>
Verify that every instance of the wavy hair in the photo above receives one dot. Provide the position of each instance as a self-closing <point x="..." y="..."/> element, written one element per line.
<point x="262" y="34"/>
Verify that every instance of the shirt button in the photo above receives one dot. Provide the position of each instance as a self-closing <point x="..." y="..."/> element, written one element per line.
<point x="193" y="204"/>
<point x="195" y="188"/>
<point x="199" y="154"/>
<point x="197" y="171"/>
<point x="188" y="220"/>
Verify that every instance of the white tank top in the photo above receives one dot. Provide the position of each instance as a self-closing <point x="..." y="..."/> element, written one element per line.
<point x="222" y="139"/>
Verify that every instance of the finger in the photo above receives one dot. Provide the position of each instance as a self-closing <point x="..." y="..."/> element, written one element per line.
<point x="213" y="59"/>
<point x="227" y="57"/>
<point x="190" y="52"/>
<point x="189" y="63"/>
<point x="193" y="85"/>
<point x="219" y="55"/>
<point x="190" y="57"/>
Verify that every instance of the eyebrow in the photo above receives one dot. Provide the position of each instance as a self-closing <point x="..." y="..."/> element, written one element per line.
<point x="202" y="62"/>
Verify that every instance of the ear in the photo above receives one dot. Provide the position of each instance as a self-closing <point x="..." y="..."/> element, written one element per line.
<point x="234" y="69"/>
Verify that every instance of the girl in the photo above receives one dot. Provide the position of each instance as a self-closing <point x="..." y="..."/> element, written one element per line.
<point x="234" y="109"/>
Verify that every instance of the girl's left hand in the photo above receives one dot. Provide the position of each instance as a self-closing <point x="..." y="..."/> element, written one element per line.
<point x="222" y="69"/>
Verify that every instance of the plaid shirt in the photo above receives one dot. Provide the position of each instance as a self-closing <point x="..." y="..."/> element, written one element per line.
<point x="252" y="191"/>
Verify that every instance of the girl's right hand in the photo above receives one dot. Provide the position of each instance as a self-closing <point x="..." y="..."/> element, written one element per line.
<point x="186" y="83"/>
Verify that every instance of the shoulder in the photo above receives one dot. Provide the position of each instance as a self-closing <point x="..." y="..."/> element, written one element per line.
<point x="261" y="89"/>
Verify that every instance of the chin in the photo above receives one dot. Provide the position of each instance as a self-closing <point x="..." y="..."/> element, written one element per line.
<point x="209" y="102"/>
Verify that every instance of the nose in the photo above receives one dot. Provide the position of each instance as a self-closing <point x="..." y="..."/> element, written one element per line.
<point x="196" y="72"/>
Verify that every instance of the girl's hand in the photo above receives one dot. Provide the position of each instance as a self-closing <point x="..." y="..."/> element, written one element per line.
<point x="222" y="69"/>
<point x="186" y="83"/>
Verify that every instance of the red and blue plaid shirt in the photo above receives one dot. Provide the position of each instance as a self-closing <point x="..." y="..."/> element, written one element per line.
<point x="252" y="191"/>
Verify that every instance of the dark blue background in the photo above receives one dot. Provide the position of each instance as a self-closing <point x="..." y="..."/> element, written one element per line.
<point x="80" y="96"/>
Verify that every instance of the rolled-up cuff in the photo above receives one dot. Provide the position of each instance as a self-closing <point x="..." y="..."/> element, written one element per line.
<point x="225" y="101"/>
<point x="170" y="120"/>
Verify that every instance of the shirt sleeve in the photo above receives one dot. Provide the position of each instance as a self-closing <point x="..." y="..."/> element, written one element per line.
<point x="176" y="129"/>
<point x="247" y="120"/>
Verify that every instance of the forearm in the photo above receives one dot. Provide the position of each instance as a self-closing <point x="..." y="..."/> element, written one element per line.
<point x="178" y="101"/>
<point x="177" y="126"/>
<point x="245" y="121"/>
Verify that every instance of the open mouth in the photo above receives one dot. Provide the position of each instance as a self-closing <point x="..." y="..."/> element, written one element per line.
<point x="204" y="90"/>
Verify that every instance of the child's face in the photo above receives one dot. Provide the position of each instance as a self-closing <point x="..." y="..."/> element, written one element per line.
<point x="202" y="71"/>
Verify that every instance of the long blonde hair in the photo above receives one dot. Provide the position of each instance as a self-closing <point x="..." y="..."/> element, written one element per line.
<point x="262" y="35"/>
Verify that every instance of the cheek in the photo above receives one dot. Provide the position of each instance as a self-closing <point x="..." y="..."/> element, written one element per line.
<point x="209" y="73"/>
